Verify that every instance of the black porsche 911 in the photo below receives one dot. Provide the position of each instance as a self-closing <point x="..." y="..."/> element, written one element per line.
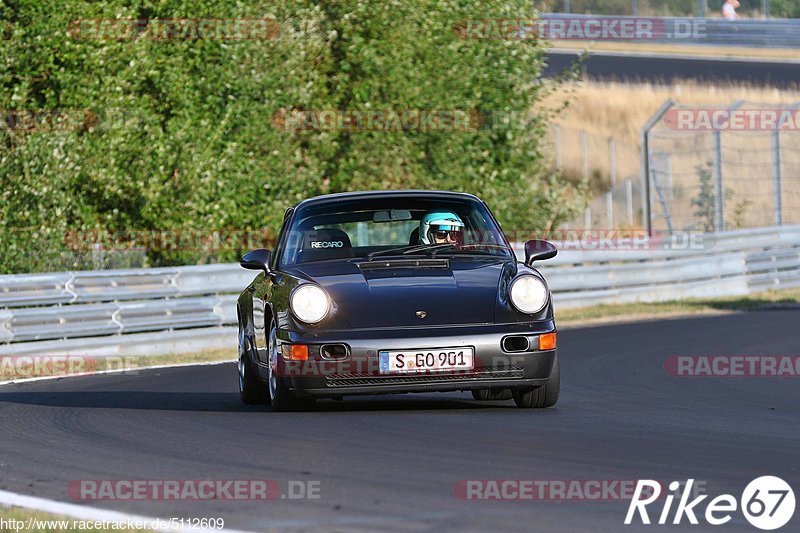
<point x="395" y="292"/>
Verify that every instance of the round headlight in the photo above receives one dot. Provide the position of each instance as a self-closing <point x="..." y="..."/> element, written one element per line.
<point x="310" y="303"/>
<point x="528" y="294"/>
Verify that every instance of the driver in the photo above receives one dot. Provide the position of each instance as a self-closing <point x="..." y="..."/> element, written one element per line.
<point x="440" y="227"/>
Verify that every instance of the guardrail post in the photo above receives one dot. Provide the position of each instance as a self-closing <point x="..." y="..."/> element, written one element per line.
<point x="776" y="175"/>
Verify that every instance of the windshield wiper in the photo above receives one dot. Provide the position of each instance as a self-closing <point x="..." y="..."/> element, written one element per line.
<point x="405" y="250"/>
<point x="475" y="245"/>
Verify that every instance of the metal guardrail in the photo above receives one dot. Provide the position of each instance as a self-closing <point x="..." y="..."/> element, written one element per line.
<point x="733" y="263"/>
<point x="763" y="33"/>
<point x="164" y="310"/>
<point x="70" y="305"/>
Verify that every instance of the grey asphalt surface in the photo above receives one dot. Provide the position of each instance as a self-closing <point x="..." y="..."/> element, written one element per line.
<point x="390" y="463"/>
<point x="605" y="66"/>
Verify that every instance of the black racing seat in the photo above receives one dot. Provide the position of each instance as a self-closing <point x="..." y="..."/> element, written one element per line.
<point x="325" y="243"/>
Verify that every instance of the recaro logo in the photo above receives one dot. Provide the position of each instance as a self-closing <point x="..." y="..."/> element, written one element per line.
<point x="327" y="244"/>
<point x="767" y="503"/>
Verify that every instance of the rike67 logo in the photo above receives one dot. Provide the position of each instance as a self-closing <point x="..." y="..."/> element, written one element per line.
<point x="767" y="503"/>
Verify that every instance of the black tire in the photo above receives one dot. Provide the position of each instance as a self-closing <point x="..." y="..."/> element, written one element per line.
<point x="252" y="389"/>
<point x="280" y="397"/>
<point x="483" y="395"/>
<point x="539" y="397"/>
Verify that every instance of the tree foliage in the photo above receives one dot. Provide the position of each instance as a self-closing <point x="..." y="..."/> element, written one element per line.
<point x="181" y="134"/>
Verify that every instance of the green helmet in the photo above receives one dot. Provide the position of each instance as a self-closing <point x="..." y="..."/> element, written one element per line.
<point x="440" y="221"/>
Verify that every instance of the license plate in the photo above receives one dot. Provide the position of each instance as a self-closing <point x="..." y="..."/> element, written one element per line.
<point x="428" y="360"/>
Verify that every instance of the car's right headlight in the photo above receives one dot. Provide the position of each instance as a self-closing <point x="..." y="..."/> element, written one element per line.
<point x="528" y="294"/>
<point x="310" y="303"/>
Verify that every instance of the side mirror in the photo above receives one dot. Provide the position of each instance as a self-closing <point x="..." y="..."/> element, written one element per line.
<point x="256" y="260"/>
<point x="537" y="250"/>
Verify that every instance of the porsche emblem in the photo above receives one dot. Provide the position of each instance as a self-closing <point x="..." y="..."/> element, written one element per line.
<point x="422" y="314"/>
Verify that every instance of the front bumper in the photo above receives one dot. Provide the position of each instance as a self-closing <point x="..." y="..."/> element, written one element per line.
<point x="358" y="372"/>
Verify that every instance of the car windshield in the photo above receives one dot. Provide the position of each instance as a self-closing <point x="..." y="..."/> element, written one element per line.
<point x="364" y="228"/>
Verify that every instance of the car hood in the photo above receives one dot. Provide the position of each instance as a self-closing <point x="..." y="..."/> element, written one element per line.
<point x="390" y="293"/>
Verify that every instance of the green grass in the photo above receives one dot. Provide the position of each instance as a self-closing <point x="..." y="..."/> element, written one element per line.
<point x="24" y="515"/>
<point x="643" y="311"/>
<point x="77" y="365"/>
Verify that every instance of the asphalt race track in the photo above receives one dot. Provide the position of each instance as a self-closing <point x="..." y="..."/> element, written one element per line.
<point x="610" y="66"/>
<point x="390" y="463"/>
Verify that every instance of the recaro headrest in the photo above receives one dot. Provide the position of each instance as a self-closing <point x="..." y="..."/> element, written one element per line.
<point x="326" y="243"/>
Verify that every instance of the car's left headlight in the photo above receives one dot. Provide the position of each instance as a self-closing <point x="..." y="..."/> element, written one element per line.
<point x="528" y="294"/>
<point x="310" y="303"/>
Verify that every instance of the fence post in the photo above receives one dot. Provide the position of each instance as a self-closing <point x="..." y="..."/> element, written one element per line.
<point x="634" y="7"/>
<point x="719" y="208"/>
<point x="566" y="6"/>
<point x="558" y="146"/>
<point x="719" y="191"/>
<point x="776" y="175"/>
<point x="585" y="152"/>
<point x="612" y="156"/>
<point x="610" y="210"/>
<point x="587" y="218"/>
<point x="765" y="5"/>
<point x="645" y="170"/>
<point x="629" y="200"/>
<point x="702" y="8"/>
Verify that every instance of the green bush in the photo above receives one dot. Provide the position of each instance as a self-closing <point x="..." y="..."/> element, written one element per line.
<point x="181" y="134"/>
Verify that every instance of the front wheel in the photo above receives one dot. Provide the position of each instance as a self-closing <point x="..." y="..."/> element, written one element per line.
<point x="280" y="397"/>
<point x="544" y="396"/>
<point x="252" y="390"/>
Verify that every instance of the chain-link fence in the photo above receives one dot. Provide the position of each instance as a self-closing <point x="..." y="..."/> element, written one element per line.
<point x="723" y="167"/>
<point x="612" y="168"/>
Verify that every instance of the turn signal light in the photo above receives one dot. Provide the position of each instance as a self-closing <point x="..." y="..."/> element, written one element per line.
<point x="296" y="352"/>
<point x="547" y="341"/>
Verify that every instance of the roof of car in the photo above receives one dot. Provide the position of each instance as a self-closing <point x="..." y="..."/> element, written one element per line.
<point x="383" y="194"/>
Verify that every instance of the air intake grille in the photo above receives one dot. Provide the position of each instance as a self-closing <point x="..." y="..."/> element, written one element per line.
<point x="353" y="379"/>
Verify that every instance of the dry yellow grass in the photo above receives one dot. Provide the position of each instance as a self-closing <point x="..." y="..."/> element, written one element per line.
<point x="16" y="368"/>
<point x="619" y="110"/>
